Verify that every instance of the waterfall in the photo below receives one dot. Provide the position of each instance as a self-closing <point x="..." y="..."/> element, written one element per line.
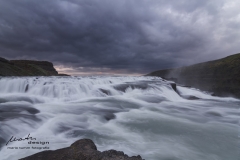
<point x="137" y="115"/>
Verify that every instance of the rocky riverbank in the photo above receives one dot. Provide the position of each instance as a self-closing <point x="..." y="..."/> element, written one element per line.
<point x="83" y="149"/>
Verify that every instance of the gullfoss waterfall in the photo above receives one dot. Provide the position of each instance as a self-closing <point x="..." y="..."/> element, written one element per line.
<point x="137" y="115"/>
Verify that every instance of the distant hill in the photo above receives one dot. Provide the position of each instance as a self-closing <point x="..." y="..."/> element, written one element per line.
<point x="219" y="76"/>
<point x="26" y="68"/>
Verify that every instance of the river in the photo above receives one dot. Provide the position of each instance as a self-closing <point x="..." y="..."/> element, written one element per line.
<point x="138" y="115"/>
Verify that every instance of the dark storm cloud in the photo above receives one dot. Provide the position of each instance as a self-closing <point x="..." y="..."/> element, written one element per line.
<point x="121" y="36"/>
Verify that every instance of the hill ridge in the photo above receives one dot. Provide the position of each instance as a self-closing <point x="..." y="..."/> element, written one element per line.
<point x="26" y="68"/>
<point x="221" y="76"/>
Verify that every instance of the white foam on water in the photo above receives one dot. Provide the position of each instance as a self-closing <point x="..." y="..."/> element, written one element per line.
<point x="137" y="115"/>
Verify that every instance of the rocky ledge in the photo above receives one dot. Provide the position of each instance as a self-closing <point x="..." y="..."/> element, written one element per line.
<point x="27" y="68"/>
<point x="83" y="149"/>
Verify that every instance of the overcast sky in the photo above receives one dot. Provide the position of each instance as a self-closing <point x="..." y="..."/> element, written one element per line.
<point x="119" y="36"/>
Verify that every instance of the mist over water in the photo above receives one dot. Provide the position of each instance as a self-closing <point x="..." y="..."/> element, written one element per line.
<point x="137" y="115"/>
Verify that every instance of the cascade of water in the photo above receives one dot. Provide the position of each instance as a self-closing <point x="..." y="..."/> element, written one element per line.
<point x="138" y="115"/>
<point x="77" y="88"/>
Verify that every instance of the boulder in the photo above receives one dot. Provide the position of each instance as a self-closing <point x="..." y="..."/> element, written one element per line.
<point x="83" y="149"/>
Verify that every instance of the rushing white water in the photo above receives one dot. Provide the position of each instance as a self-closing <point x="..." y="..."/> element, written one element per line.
<point x="137" y="115"/>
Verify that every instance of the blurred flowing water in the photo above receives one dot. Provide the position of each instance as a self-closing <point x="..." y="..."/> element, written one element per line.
<point x="137" y="115"/>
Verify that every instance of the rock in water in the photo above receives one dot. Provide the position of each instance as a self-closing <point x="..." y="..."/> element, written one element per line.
<point x="83" y="149"/>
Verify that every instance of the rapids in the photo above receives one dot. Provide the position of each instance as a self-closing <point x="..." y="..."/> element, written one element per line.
<point x="137" y="115"/>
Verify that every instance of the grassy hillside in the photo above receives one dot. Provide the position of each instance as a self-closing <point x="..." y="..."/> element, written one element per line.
<point x="220" y="76"/>
<point x="26" y="68"/>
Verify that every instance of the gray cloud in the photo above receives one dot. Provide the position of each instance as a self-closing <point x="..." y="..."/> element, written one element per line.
<point x="121" y="36"/>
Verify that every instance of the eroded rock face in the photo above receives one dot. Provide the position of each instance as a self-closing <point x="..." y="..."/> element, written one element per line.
<point x="220" y="76"/>
<point x="36" y="66"/>
<point x="83" y="149"/>
<point x="27" y="68"/>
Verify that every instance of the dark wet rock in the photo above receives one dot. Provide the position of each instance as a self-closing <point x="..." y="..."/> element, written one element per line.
<point x="83" y="149"/>
<point x="222" y="77"/>
<point x="109" y="116"/>
<point x="174" y="86"/>
<point x="191" y="97"/>
<point x="107" y="92"/>
<point x="32" y="110"/>
<point x="185" y="86"/>
<point x="26" y="89"/>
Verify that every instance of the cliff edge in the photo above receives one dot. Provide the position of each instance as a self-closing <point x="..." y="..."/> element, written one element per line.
<point x="26" y="68"/>
<point x="222" y="76"/>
